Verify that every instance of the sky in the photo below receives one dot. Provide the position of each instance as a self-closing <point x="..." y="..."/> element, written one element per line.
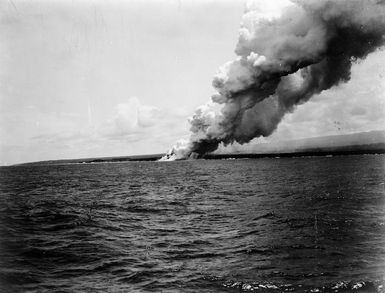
<point x="88" y="78"/>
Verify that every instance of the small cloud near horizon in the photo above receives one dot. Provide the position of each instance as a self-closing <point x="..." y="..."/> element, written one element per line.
<point x="133" y="128"/>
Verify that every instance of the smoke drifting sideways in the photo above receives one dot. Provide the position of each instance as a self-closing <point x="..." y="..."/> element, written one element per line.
<point x="282" y="62"/>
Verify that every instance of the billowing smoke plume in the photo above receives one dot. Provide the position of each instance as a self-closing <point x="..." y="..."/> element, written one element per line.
<point x="282" y="62"/>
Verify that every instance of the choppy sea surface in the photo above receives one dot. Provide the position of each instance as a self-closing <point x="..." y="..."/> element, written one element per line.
<point x="265" y="225"/>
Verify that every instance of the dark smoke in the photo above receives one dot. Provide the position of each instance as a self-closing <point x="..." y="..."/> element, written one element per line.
<point x="283" y="62"/>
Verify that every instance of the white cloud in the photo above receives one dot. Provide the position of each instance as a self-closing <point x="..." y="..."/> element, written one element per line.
<point x="133" y="128"/>
<point x="130" y="117"/>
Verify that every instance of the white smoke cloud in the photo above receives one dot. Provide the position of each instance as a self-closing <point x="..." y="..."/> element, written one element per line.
<point x="283" y="60"/>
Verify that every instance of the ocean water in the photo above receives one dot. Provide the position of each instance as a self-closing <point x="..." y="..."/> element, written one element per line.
<point x="265" y="225"/>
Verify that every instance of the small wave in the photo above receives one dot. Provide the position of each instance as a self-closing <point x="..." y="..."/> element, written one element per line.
<point x="191" y="254"/>
<point x="141" y="209"/>
<point x="269" y="250"/>
<point x="262" y="251"/>
<point x="352" y="286"/>
<point x="269" y="215"/>
<point x="186" y="245"/>
<point x="135" y="277"/>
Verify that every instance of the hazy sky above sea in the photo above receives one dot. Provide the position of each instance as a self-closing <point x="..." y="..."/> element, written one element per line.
<point x="109" y="78"/>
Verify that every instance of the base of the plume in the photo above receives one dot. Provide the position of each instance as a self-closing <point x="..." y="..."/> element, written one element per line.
<point x="174" y="157"/>
<point x="168" y="158"/>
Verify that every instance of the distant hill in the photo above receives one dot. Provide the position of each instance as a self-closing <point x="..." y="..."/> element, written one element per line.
<point x="378" y="148"/>
<point x="372" y="142"/>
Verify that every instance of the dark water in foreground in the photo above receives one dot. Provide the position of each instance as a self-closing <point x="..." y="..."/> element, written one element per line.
<point x="266" y="225"/>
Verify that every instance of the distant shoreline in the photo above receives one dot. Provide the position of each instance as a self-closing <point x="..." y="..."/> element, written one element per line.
<point x="372" y="142"/>
<point x="155" y="157"/>
<point x="292" y="155"/>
